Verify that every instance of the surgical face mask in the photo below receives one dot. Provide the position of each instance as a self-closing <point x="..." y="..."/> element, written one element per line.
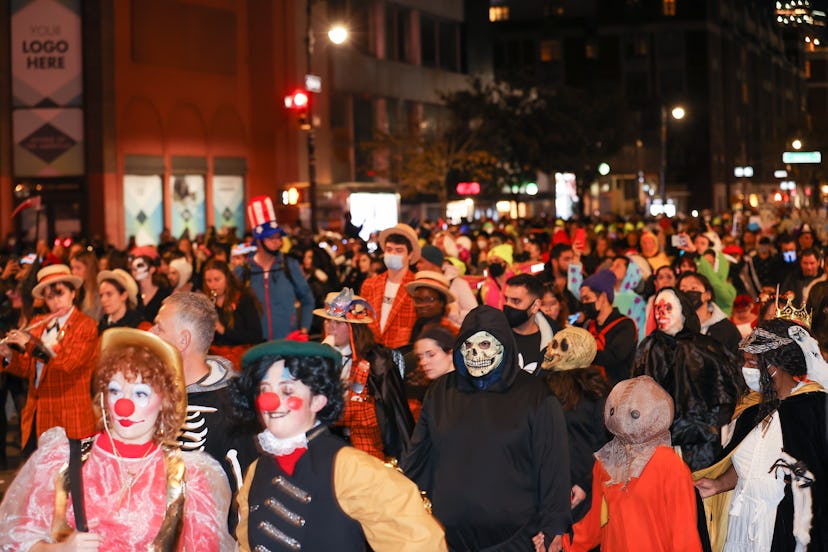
<point x="789" y="256"/>
<point x="515" y="317"/>
<point x="393" y="262"/>
<point x="752" y="376"/>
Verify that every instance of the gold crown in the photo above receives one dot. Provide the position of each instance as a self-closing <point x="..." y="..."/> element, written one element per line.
<point x="789" y="312"/>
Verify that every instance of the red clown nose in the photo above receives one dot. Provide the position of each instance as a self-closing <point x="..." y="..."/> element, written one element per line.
<point x="124" y="407"/>
<point x="268" y="402"/>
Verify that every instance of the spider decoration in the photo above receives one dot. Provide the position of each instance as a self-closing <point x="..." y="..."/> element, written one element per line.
<point x="799" y="471"/>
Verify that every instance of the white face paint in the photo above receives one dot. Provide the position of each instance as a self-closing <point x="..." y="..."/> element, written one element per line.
<point x="668" y="315"/>
<point x="482" y="353"/>
<point x="140" y="269"/>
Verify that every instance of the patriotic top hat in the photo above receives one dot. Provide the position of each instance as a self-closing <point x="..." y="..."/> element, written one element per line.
<point x="262" y="218"/>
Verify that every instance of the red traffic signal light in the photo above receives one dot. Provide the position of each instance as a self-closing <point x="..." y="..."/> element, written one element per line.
<point x="298" y="100"/>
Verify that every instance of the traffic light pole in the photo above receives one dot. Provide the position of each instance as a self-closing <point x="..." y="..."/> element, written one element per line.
<point x="311" y="137"/>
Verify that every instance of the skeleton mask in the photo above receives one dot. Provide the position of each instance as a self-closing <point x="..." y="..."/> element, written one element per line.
<point x="569" y="349"/>
<point x="668" y="314"/>
<point x="482" y="353"/>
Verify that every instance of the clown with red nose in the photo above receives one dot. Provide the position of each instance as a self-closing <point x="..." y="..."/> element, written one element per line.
<point x="309" y="489"/>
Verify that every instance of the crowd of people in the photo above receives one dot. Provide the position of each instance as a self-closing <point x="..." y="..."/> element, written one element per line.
<point x="548" y="385"/>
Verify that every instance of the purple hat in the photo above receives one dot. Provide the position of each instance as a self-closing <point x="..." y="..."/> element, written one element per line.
<point x="602" y="281"/>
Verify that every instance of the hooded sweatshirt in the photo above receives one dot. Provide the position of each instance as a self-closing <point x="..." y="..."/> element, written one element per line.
<point x="492" y="451"/>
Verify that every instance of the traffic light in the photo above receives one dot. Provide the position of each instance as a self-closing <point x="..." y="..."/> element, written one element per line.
<point x="299" y="102"/>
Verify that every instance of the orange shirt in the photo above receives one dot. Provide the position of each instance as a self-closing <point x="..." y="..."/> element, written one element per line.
<point x="652" y="513"/>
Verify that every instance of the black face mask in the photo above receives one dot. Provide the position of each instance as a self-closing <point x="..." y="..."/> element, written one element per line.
<point x="497" y="270"/>
<point x="515" y="317"/>
<point x="695" y="299"/>
<point x="590" y="310"/>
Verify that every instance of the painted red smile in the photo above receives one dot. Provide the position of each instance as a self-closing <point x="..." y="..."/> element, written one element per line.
<point x="127" y="423"/>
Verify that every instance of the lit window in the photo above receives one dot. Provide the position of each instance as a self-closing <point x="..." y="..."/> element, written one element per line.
<point x="550" y="50"/>
<point x="498" y="13"/>
<point x="668" y="7"/>
<point x="591" y="50"/>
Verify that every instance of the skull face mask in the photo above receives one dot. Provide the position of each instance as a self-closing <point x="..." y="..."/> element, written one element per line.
<point x="569" y="349"/>
<point x="668" y="314"/>
<point x="482" y="353"/>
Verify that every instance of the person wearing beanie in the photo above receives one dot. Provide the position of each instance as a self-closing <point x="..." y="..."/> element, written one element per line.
<point x="614" y="333"/>
<point x="433" y="259"/>
<point x="179" y="275"/>
<point x="500" y="260"/>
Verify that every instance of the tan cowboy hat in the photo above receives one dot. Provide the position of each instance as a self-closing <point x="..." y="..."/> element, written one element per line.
<point x="53" y="274"/>
<point x="114" y="338"/>
<point x="408" y="233"/>
<point x="346" y="307"/>
<point x="125" y="279"/>
<point x="432" y="280"/>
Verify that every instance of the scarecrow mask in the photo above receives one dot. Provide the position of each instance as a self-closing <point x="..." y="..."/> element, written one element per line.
<point x="482" y="353"/>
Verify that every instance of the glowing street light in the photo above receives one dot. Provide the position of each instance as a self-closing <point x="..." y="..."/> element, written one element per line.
<point x="678" y="113"/>
<point x="797" y="144"/>
<point x="338" y="34"/>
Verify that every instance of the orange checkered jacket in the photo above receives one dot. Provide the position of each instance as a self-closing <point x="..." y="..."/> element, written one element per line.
<point x="397" y="330"/>
<point x="63" y="397"/>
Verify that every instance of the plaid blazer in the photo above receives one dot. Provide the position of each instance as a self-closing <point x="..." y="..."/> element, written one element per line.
<point x="63" y="397"/>
<point x="397" y="331"/>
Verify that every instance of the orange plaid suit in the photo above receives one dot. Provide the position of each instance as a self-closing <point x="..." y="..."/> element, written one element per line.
<point x="63" y="397"/>
<point x="397" y="331"/>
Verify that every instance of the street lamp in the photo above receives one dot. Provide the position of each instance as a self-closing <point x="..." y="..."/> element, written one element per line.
<point x="337" y="34"/>
<point x="797" y="144"/>
<point x="677" y="112"/>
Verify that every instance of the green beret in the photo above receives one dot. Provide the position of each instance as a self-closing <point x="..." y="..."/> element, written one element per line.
<point x="288" y="348"/>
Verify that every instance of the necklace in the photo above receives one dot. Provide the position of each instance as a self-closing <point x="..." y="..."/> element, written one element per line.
<point x="131" y="477"/>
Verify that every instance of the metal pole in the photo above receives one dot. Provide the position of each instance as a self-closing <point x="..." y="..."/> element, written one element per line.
<point x="311" y="138"/>
<point x="662" y="182"/>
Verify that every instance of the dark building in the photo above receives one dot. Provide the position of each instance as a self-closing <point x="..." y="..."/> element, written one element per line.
<point x="724" y="61"/>
<point x="128" y="116"/>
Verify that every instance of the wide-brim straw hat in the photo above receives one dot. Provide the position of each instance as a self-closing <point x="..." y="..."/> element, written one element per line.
<point x="408" y="233"/>
<point x="115" y="338"/>
<point x="344" y="306"/>
<point x="432" y="280"/>
<point x="53" y="274"/>
<point x="126" y="280"/>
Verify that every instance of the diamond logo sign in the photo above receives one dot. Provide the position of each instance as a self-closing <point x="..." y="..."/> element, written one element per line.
<point x="47" y="143"/>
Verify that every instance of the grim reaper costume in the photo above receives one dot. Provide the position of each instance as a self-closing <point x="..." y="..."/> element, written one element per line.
<point x="490" y="447"/>
<point x="698" y="373"/>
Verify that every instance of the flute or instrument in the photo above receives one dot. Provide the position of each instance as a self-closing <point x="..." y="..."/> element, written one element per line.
<point x="213" y="296"/>
<point x="42" y="349"/>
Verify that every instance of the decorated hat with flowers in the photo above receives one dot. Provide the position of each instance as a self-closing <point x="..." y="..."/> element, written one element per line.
<point x="346" y="307"/>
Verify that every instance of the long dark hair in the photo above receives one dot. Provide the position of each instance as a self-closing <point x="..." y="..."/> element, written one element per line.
<point x="788" y="357"/>
<point x="570" y="386"/>
<point x="233" y="291"/>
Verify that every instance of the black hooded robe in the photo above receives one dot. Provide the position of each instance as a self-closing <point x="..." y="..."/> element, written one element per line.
<point x="703" y="379"/>
<point x="492" y="452"/>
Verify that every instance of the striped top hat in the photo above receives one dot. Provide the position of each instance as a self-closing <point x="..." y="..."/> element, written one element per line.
<point x="262" y="218"/>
